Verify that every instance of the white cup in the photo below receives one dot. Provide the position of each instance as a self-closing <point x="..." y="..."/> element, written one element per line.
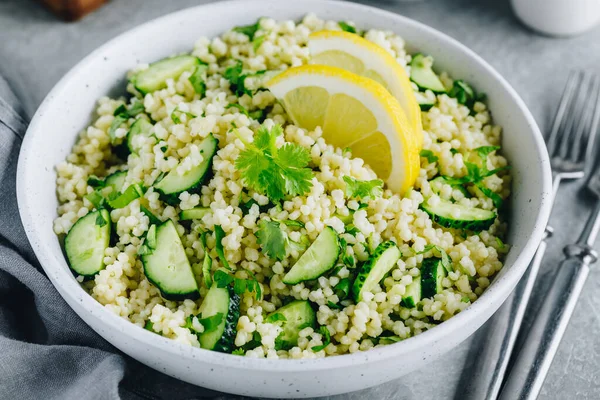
<point x="558" y="17"/>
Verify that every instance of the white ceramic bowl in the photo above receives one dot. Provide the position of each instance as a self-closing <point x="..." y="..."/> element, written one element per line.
<point x="68" y="109"/>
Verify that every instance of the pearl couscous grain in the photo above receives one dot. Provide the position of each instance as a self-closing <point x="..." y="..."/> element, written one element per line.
<point x="451" y="131"/>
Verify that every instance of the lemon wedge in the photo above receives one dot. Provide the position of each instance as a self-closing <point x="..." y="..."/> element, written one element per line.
<point x="354" y="112"/>
<point x="353" y="53"/>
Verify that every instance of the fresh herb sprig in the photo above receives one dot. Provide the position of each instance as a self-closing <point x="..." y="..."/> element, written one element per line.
<point x="240" y="286"/>
<point x="276" y="172"/>
<point x="363" y="190"/>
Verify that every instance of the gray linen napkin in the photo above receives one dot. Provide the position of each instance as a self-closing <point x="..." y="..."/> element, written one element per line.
<point x="46" y="350"/>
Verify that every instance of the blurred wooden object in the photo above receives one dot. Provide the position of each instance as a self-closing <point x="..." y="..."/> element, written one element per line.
<point x="71" y="10"/>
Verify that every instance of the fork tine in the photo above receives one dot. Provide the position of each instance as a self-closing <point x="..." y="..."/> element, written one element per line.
<point x="573" y="117"/>
<point x="583" y="137"/>
<point x="595" y="120"/>
<point x="560" y="113"/>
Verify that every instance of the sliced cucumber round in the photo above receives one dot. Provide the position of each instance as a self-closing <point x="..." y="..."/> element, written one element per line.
<point x="167" y="266"/>
<point x="157" y="74"/>
<point x="174" y="183"/>
<point x="140" y="127"/>
<point x="86" y="242"/>
<point x="227" y="303"/>
<point x="422" y="74"/>
<point x="457" y="216"/>
<point x="194" y="213"/>
<point x="383" y="259"/>
<point x="116" y="181"/>
<point x="432" y="273"/>
<point x="319" y="258"/>
<point x="295" y="316"/>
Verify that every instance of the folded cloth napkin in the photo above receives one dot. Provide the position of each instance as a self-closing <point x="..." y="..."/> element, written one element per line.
<point x="46" y="350"/>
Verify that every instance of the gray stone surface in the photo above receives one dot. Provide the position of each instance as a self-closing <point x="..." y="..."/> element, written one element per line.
<point x="36" y="50"/>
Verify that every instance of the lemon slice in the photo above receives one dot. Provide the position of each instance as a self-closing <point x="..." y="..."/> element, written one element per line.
<point x="354" y="112"/>
<point x="353" y="53"/>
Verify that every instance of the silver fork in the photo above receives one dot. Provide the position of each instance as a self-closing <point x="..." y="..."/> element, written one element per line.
<point x="569" y="144"/>
<point x="535" y="357"/>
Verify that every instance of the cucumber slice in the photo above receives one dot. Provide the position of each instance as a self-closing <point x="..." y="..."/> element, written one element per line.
<point x="140" y="127"/>
<point x="432" y="273"/>
<point x="116" y="181"/>
<point x="157" y="74"/>
<point x="194" y="213"/>
<point x="436" y="186"/>
<point x="451" y="215"/>
<point x="167" y="266"/>
<point x="226" y="302"/>
<point x="86" y="241"/>
<point x="412" y="295"/>
<point x="380" y="263"/>
<point x="319" y="258"/>
<point x="422" y="74"/>
<point x="298" y="315"/>
<point x="174" y="183"/>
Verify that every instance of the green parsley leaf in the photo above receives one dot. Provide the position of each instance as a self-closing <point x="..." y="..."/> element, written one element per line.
<point x="500" y="243"/>
<point x="429" y="155"/>
<point x="100" y="221"/>
<point x="245" y="206"/>
<point x="120" y="200"/>
<point x="149" y="326"/>
<point x="235" y="77"/>
<point x="363" y="189"/>
<point x="238" y="352"/>
<point x="96" y="199"/>
<point x="346" y="27"/>
<point x="346" y="258"/>
<point x="222" y="278"/>
<point x="454" y="151"/>
<point x="293" y="223"/>
<point x="276" y="317"/>
<point x="219" y="235"/>
<point x="465" y="299"/>
<point x="271" y="239"/>
<point x="327" y="339"/>
<point x="496" y="199"/>
<point x="272" y="171"/>
<point x="352" y="230"/>
<point x="197" y="79"/>
<point x="176" y="115"/>
<point x="257" y="42"/>
<point x="211" y="323"/>
<point x="248" y="30"/>
<point x="120" y="110"/>
<point x="446" y="261"/>
<point x="389" y="339"/>
<point x="463" y="93"/>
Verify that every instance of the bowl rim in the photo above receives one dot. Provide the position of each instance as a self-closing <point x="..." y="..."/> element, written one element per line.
<point x="69" y="288"/>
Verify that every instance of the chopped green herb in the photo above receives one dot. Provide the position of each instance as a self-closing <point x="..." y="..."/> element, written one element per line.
<point x="211" y="323"/>
<point x="463" y="93"/>
<point x="465" y="299"/>
<point x="446" y="261"/>
<point x="223" y="279"/>
<point x="248" y="30"/>
<point x="120" y="200"/>
<point x="238" y="352"/>
<point x="346" y="27"/>
<point x="272" y="171"/>
<point x="176" y="115"/>
<point x="346" y="258"/>
<point x="100" y="221"/>
<point x="389" y="339"/>
<point x="454" y="151"/>
<point x="197" y="80"/>
<point x="429" y="155"/>
<point x="96" y="199"/>
<point x="245" y="206"/>
<point x="293" y="223"/>
<point x="257" y="42"/>
<point x="496" y="199"/>
<point x="364" y="190"/>
<point x="500" y="243"/>
<point x="136" y="108"/>
<point x="271" y="239"/>
<point x="276" y="317"/>
<point x="219" y="235"/>
<point x="327" y="339"/>
<point x="235" y="77"/>
<point x="207" y="262"/>
<point x="120" y="110"/>
<point x="149" y="326"/>
<point x="256" y="114"/>
<point x="352" y="230"/>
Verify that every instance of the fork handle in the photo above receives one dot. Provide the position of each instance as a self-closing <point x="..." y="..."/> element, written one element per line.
<point x="533" y="360"/>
